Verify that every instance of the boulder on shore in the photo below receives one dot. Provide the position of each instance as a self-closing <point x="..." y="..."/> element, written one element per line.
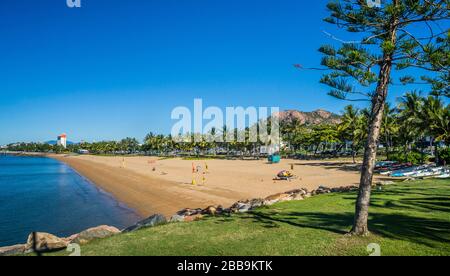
<point x="45" y="242"/>
<point x="189" y="212"/>
<point x="13" y="250"/>
<point x="270" y="200"/>
<point x="152" y="221"/>
<point x="256" y="203"/>
<point x="193" y="218"/>
<point x="211" y="210"/>
<point x="176" y="218"/>
<point x="297" y="197"/>
<point x="90" y="234"/>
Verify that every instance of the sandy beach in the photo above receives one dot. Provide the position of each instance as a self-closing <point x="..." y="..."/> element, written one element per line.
<point x="151" y="185"/>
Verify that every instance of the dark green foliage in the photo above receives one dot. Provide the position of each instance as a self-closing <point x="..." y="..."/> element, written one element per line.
<point x="354" y="66"/>
<point x="444" y="155"/>
<point x="413" y="157"/>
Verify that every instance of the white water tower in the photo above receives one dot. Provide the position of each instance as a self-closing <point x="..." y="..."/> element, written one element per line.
<point x="62" y="140"/>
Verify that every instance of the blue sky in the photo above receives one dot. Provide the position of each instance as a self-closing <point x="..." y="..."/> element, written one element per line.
<point x="117" y="68"/>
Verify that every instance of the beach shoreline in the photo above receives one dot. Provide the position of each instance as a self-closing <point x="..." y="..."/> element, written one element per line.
<point x="150" y="185"/>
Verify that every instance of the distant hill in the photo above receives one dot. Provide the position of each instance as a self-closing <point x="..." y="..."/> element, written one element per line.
<point x="319" y="116"/>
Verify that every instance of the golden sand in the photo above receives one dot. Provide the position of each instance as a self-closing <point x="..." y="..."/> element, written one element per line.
<point x="150" y="185"/>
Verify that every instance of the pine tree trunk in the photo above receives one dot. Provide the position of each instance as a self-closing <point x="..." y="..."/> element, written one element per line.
<point x="360" y="225"/>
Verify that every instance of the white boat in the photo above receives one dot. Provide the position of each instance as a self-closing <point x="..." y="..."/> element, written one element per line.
<point x="443" y="176"/>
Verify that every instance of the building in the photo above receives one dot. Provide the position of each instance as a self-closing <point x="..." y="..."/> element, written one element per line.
<point x="83" y="151"/>
<point x="62" y="140"/>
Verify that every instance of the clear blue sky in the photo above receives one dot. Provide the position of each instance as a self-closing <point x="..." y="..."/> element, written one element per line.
<point x="117" y="68"/>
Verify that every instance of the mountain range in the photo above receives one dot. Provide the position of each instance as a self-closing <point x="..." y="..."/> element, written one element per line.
<point x="316" y="117"/>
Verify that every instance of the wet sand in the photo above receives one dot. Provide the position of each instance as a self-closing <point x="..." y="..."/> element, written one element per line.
<point x="150" y="185"/>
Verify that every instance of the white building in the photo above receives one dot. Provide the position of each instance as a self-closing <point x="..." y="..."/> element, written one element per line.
<point x="62" y="140"/>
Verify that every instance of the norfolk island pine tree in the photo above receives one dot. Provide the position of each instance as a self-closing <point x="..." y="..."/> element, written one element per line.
<point x="386" y="41"/>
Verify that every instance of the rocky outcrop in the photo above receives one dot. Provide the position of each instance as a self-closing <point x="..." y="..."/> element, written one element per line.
<point x="99" y="232"/>
<point x="149" y="222"/>
<point x="44" y="242"/>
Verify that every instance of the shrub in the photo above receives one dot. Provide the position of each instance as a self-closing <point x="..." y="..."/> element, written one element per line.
<point x="444" y="154"/>
<point x="413" y="157"/>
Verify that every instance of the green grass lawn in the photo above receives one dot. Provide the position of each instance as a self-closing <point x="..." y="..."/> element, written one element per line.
<point x="406" y="219"/>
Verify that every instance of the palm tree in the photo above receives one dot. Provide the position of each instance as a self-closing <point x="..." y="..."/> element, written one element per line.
<point x="435" y="118"/>
<point x="389" y="127"/>
<point x="411" y="119"/>
<point x="353" y="128"/>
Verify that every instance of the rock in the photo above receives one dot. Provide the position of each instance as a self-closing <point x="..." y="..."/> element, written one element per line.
<point x="189" y="212"/>
<point x="13" y="250"/>
<point x="277" y="197"/>
<point x="211" y="210"/>
<point x="177" y="218"/>
<point x="44" y="242"/>
<point x="297" y="197"/>
<point x="344" y="189"/>
<point x="220" y="209"/>
<point x="297" y="194"/>
<point x="384" y="183"/>
<point x="193" y="218"/>
<point x="270" y="200"/>
<point x="323" y="190"/>
<point x="71" y="238"/>
<point x="298" y="191"/>
<point x="244" y="207"/>
<point x="152" y="221"/>
<point x="257" y="202"/>
<point x="99" y="232"/>
<point x="184" y="212"/>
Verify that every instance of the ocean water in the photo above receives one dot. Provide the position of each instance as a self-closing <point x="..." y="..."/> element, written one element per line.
<point x="44" y="195"/>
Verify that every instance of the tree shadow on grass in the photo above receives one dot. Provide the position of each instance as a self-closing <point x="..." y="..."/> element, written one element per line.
<point x="335" y="223"/>
<point x="423" y="204"/>
<point x="420" y="230"/>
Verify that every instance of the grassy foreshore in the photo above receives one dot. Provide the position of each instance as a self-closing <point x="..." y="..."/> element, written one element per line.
<point x="406" y="219"/>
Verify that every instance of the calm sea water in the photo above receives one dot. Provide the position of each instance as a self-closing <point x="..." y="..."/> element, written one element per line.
<point x="45" y="195"/>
